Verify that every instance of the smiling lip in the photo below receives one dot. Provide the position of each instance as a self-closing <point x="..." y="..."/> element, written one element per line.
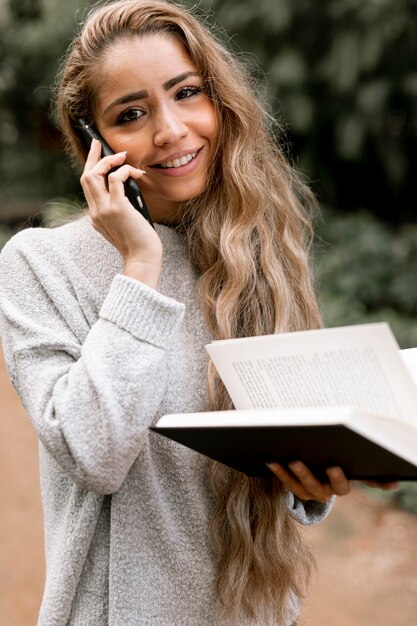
<point x="183" y="170"/>
<point x="176" y="155"/>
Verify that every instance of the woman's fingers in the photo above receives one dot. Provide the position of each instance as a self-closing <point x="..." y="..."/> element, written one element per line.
<point x="96" y="173"/>
<point x="309" y="482"/>
<point x="302" y="482"/>
<point x="305" y="485"/>
<point x="118" y="177"/>
<point x="102" y="183"/>
<point x="339" y="483"/>
<point x="99" y="165"/>
<point x="289" y="481"/>
<point x="389" y="486"/>
<point x="93" y="179"/>
<point x="93" y="156"/>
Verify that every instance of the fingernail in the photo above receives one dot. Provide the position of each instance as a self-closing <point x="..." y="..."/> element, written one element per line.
<point x="295" y="465"/>
<point x="335" y="472"/>
<point x="274" y="467"/>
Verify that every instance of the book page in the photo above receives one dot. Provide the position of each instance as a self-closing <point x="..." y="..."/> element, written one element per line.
<point x="409" y="357"/>
<point x="353" y="365"/>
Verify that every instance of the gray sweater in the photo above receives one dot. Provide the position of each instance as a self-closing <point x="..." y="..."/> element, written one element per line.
<point x="96" y="358"/>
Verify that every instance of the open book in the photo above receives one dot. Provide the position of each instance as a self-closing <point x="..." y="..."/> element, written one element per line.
<point x="335" y="396"/>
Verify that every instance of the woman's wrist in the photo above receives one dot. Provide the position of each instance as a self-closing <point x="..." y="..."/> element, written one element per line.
<point x="145" y="272"/>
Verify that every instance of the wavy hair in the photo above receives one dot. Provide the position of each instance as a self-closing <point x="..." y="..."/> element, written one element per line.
<point x="249" y="234"/>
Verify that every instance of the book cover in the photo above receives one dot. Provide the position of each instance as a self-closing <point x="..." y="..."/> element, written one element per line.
<point x="336" y="396"/>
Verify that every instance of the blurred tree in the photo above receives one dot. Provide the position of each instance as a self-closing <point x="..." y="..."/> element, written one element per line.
<point x="343" y="75"/>
<point x="366" y="273"/>
<point x="23" y="10"/>
<point x="33" y="36"/>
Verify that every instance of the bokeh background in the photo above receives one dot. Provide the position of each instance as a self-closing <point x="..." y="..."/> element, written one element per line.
<point x="341" y="78"/>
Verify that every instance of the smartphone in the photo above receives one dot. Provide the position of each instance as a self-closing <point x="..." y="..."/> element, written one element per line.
<point x="132" y="191"/>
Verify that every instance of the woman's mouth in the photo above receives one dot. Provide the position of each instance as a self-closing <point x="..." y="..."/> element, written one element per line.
<point x="179" y="162"/>
<point x="180" y="166"/>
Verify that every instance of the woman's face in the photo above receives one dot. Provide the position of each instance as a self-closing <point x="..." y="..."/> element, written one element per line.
<point x="151" y="102"/>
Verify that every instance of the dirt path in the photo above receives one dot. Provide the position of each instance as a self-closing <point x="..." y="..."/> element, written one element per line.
<point x="367" y="565"/>
<point x="366" y="551"/>
<point x="21" y="549"/>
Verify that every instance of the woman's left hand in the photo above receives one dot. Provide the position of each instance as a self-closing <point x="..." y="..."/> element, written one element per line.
<point x="304" y="484"/>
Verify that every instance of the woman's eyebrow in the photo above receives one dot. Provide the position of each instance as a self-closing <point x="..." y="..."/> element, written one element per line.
<point x="174" y="81"/>
<point x="138" y="95"/>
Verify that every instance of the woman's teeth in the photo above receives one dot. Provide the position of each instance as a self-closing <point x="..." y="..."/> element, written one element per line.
<point x="179" y="162"/>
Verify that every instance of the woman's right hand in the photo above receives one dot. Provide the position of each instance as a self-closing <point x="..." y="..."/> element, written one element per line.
<point x="114" y="217"/>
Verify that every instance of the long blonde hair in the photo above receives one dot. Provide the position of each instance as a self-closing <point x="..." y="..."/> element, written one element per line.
<point x="248" y="234"/>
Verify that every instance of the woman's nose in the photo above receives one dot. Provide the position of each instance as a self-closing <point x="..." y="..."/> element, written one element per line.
<point x="168" y="128"/>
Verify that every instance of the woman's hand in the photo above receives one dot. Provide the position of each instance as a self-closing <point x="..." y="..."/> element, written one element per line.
<point x="302" y="482"/>
<point x="116" y="219"/>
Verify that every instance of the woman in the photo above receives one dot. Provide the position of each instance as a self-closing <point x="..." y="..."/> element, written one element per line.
<point x="105" y="321"/>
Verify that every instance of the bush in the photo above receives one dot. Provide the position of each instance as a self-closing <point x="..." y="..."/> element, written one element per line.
<point x="343" y="76"/>
<point x="366" y="272"/>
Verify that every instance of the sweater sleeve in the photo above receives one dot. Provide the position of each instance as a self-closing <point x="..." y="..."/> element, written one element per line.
<point x="308" y="512"/>
<point x="90" y="398"/>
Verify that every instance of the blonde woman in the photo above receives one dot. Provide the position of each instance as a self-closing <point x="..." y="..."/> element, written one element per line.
<point x="104" y="325"/>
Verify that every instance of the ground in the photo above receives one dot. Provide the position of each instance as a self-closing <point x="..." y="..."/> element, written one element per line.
<point x="366" y="550"/>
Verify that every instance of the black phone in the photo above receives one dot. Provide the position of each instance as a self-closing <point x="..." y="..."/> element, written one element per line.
<point x="132" y="191"/>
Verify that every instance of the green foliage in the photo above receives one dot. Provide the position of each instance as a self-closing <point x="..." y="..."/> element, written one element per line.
<point x="406" y="497"/>
<point x="343" y="76"/>
<point x="33" y="36"/>
<point x="60" y="211"/>
<point x="366" y="272"/>
<point x="5" y="234"/>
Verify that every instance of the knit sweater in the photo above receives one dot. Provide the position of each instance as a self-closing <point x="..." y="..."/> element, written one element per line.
<point x="96" y="358"/>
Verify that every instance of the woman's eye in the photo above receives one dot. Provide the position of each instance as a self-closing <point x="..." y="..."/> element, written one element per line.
<point x="130" y="115"/>
<point x="187" y="92"/>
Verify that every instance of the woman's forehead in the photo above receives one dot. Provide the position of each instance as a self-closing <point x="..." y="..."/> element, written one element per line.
<point x="160" y="49"/>
<point x="138" y="64"/>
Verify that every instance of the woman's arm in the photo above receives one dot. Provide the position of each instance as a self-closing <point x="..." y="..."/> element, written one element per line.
<point x="91" y="397"/>
<point x="91" y="392"/>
